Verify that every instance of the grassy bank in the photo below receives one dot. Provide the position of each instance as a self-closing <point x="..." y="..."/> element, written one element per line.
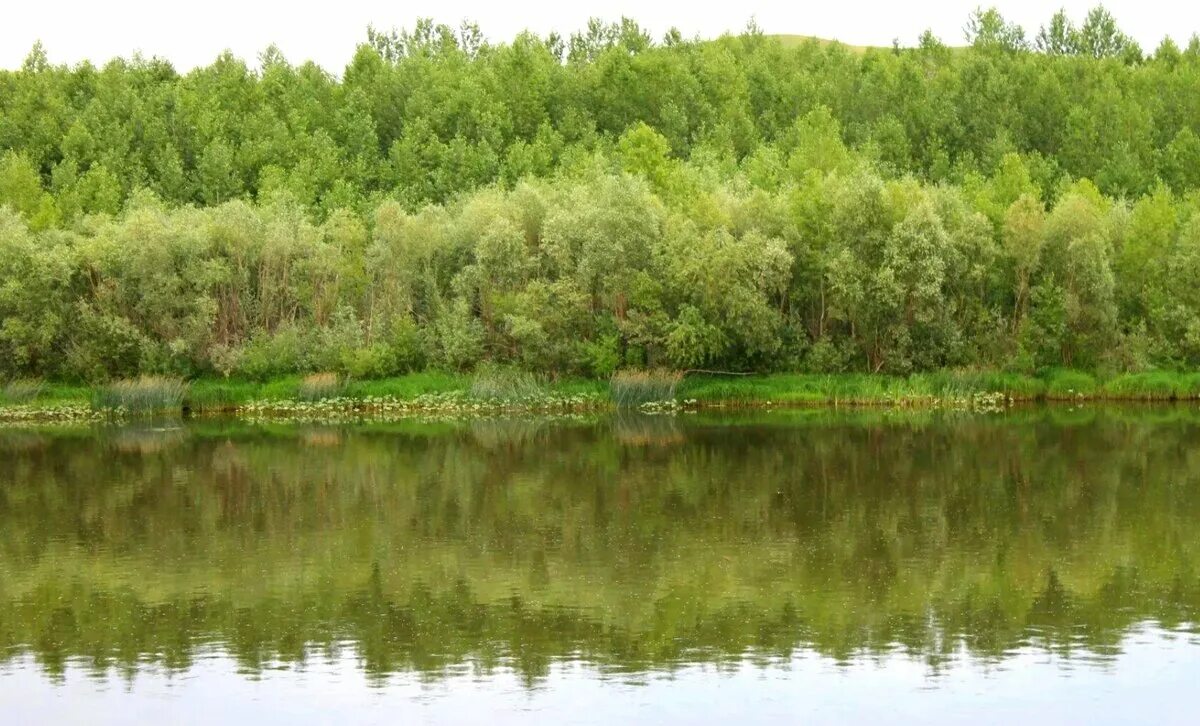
<point x="939" y="388"/>
<point x="498" y="390"/>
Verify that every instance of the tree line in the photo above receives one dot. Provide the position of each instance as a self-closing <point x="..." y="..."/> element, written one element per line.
<point x="578" y="205"/>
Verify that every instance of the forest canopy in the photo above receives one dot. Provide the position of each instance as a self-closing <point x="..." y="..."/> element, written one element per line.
<point x="574" y="205"/>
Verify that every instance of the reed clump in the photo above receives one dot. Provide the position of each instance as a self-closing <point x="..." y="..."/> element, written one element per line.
<point x="320" y="386"/>
<point x="146" y="394"/>
<point x="506" y="384"/>
<point x="636" y="388"/>
<point x="22" y="390"/>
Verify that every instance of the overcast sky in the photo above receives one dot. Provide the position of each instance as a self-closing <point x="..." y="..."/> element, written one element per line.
<point x="193" y="34"/>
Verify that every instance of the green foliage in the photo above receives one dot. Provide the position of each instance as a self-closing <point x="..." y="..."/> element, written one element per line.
<point x="458" y="338"/>
<point x="269" y="355"/>
<point x="745" y="203"/>
<point x="846" y="274"/>
<point x="448" y="114"/>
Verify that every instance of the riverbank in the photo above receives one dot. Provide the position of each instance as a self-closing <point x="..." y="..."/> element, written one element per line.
<point x="493" y="393"/>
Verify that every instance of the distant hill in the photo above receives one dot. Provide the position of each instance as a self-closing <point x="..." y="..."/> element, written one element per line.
<point x="793" y="40"/>
<point x="790" y="40"/>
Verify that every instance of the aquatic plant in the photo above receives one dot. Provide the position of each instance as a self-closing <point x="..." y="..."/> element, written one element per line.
<point x="505" y="384"/>
<point x="64" y="413"/>
<point x="320" y="386"/>
<point x="633" y="388"/>
<point x="22" y="390"/>
<point x="146" y="394"/>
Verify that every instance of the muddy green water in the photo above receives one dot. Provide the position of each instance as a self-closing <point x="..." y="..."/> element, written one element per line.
<point x="868" y="567"/>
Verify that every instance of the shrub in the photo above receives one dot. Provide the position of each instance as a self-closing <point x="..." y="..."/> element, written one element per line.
<point x="631" y="388"/>
<point x="337" y="343"/>
<point x="267" y="355"/>
<point x="458" y="337"/>
<point x="146" y="394"/>
<point x="602" y="356"/>
<point x="377" y="361"/>
<point x="407" y="344"/>
<point x="105" y="346"/>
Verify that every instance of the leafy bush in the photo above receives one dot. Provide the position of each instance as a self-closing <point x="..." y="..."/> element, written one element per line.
<point x="377" y="361"/>
<point x="603" y="356"/>
<point x="105" y="346"/>
<point x="402" y="351"/>
<point x="268" y="355"/>
<point x="407" y="345"/>
<point x="459" y="338"/>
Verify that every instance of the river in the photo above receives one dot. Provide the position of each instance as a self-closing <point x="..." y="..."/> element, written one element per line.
<point x="816" y="566"/>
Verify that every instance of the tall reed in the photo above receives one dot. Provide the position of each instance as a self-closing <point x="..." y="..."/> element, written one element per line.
<point x="320" y="386"/>
<point x="22" y="390"/>
<point x="505" y="384"/>
<point x="632" y="388"/>
<point x="147" y="394"/>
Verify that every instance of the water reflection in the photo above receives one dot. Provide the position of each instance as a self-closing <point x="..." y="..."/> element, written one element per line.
<point x="633" y="545"/>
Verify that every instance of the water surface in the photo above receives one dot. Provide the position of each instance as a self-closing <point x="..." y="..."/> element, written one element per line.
<point x="823" y="566"/>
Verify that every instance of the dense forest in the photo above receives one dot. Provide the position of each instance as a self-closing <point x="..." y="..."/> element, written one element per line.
<point x="576" y="205"/>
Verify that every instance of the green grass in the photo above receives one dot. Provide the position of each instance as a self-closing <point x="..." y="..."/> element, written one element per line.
<point x="1065" y="385"/>
<point x="64" y="393"/>
<point x="966" y="383"/>
<point x="858" y="389"/>
<point x="216" y="395"/>
<point x="1154" y="386"/>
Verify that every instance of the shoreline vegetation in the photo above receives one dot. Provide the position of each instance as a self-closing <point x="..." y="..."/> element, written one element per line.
<point x="328" y="397"/>
<point x="605" y="212"/>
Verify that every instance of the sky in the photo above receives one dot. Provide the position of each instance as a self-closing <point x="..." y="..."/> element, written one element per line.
<point x="76" y="30"/>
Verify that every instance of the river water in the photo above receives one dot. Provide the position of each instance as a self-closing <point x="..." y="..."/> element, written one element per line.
<point x="808" y="566"/>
